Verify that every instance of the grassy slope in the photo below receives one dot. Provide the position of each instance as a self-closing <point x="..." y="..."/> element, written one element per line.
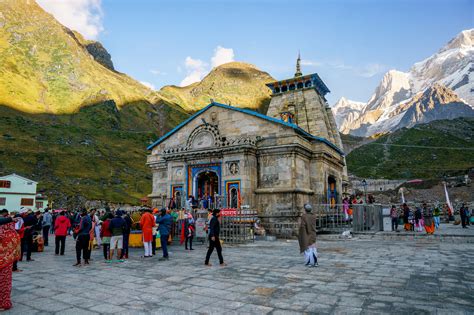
<point x="351" y="142"/>
<point x="97" y="153"/>
<point x="375" y="160"/>
<point x="237" y="83"/>
<point x="44" y="68"/>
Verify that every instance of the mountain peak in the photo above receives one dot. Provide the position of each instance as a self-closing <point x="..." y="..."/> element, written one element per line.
<point x="236" y="64"/>
<point x="344" y="102"/>
<point x="436" y="102"/>
<point x="464" y="39"/>
<point x="442" y="93"/>
<point x="238" y="83"/>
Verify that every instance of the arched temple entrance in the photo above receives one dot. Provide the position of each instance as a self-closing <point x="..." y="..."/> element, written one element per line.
<point x="207" y="184"/>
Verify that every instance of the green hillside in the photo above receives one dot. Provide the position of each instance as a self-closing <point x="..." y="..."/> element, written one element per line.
<point x="443" y="147"/>
<point x="98" y="153"/>
<point x="47" y="68"/>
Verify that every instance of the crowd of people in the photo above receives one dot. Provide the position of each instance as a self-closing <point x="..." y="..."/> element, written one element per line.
<point x="26" y="231"/>
<point x="426" y="217"/>
<point x="348" y="204"/>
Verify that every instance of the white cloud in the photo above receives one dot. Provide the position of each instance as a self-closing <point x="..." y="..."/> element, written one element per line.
<point x="311" y="63"/>
<point x="158" y="72"/>
<point x="148" y="85"/>
<point x="222" y="55"/>
<point x="84" y="16"/>
<point x="372" y="69"/>
<point x="197" y="69"/>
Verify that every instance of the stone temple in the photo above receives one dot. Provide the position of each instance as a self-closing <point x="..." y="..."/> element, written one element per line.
<point x="273" y="163"/>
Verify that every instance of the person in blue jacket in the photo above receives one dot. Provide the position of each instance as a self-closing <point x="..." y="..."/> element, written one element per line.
<point x="164" y="222"/>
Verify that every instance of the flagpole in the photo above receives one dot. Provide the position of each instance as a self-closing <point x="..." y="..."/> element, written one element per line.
<point x="403" y="196"/>
<point x="448" y="202"/>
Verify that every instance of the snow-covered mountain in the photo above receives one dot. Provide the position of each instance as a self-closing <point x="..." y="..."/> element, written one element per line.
<point x="452" y="67"/>
<point x="347" y="111"/>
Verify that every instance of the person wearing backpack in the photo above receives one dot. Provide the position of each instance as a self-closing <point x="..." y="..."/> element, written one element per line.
<point x="117" y="226"/>
<point x="46" y="221"/>
<point x="82" y="233"/>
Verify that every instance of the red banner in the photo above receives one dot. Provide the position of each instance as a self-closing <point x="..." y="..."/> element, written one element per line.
<point x="228" y="212"/>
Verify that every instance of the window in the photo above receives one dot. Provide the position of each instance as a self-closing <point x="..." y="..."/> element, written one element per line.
<point x="39" y="204"/>
<point x="5" y="184"/>
<point x="3" y="201"/>
<point x="27" y="202"/>
<point x="299" y="85"/>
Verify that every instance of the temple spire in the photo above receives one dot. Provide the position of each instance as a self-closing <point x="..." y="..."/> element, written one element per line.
<point x="298" y="72"/>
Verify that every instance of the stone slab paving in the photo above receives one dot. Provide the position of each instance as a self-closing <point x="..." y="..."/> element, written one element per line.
<point x="357" y="276"/>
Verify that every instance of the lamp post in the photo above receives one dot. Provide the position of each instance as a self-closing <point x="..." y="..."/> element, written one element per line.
<point x="364" y="184"/>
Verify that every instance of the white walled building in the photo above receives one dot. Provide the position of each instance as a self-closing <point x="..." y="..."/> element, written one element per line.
<point x="17" y="191"/>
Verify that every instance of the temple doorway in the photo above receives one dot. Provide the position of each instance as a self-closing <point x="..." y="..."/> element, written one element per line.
<point x="332" y="193"/>
<point x="207" y="184"/>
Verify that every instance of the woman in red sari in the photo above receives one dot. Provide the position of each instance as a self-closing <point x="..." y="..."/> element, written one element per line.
<point x="9" y="252"/>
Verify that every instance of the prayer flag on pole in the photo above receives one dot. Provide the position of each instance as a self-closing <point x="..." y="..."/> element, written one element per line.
<point x="448" y="202"/>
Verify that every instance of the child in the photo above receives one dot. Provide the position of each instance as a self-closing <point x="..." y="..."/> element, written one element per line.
<point x="189" y="230"/>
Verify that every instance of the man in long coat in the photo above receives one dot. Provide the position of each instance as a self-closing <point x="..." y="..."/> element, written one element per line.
<point x="307" y="236"/>
<point x="147" y="222"/>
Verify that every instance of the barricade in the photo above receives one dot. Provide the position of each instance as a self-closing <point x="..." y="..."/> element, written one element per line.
<point x="237" y="225"/>
<point x="359" y="217"/>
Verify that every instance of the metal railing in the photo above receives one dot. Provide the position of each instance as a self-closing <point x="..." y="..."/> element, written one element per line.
<point x="217" y="201"/>
<point x="358" y="218"/>
<point x="238" y="228"/>
<point x="236" y="225"/>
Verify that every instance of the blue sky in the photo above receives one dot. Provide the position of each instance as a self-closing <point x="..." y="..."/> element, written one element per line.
<point x="351" y="44"/>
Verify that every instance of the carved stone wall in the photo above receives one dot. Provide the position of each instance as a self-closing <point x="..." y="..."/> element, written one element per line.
<point x="278" y="169"/>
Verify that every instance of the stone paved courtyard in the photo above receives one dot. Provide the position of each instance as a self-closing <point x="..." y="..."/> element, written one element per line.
<point x="355" y="276"/>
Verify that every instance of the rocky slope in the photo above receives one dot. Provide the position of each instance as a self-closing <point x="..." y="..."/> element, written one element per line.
<point x="47" y="68"/>
<point x="452" y="66"/>
<point x="434" y="103"/>
<point x="236" y="83"/>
